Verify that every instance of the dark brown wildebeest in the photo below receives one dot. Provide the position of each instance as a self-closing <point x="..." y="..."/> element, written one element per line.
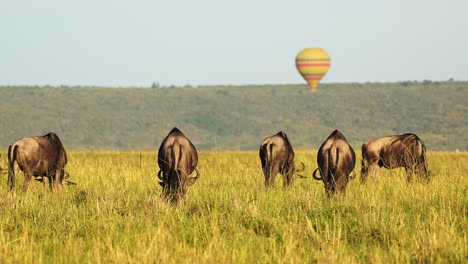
<point x="336" y="160"/>
<point x="41" y="156"/>
<point x="407" y="151"/>
<point x="177" y="159"/>
<point x="277" y="155"/>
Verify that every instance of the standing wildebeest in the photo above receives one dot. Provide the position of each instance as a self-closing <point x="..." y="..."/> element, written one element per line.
<point x="177" y="159"/>
<point x="277" y="155"/>
<point x="336" y="160"/>
<point x="407" y="151"/>
<point x="41" y="156"/>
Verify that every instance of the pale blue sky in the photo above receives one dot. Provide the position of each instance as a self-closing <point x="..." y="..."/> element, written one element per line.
<point x="209" y="42"/>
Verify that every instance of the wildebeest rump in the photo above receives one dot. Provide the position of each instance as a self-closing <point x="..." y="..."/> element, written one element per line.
<point x="41" y="156"/>
<point x="177" y="159"/>
<point x="407" y="151"/>
<point x="336" y="160"/>
<point x="277" y="155"/>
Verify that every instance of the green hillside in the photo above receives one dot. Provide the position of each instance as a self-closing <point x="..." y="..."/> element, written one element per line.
<point x="237" y="117"/>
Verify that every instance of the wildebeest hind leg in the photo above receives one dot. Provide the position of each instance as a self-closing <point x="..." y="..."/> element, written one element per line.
<point x="330" y="190"/>
<point x="288" y="179"/>
<point x="374" y="170"/>
<point x="12" y="178"/>
<point x="58" y="180"/>
<point x="46" y="181"/>
<point x="27" y="179"/>
<point x="270" y="174"/>
<point x="341" y="184"/>
<point x="266" y="173"/>
<point x="409" y="175"/>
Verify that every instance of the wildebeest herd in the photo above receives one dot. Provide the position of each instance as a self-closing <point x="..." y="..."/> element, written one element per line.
<point x="45" y="158"/>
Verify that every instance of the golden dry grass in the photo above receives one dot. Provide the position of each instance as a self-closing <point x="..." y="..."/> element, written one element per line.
<point x="115" y="215"/>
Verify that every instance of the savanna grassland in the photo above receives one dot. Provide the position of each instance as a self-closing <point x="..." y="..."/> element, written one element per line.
<point x="115" y="215"/>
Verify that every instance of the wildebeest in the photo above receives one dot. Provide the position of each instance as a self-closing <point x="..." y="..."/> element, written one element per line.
<point x="407" y="151"/>
<point x="336" y="160"/>
<point x="177" y="159"/>
<point x="277" y="155"/>
<point x="41" y="156"/>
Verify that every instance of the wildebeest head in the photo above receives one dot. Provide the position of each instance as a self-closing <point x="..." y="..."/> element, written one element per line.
<point x="422" y="168"/>
<point x="66" y="176"/>
<point x="174" y="189"/>
<point x="177" y="159"/>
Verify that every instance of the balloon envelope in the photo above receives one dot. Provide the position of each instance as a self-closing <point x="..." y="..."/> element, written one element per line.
<point x="313" y="64"/>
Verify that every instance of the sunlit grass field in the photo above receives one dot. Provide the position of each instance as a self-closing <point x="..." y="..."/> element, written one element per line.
<point x="115" y="215"/>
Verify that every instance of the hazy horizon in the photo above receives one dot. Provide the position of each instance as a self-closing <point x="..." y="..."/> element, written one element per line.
<point x="135" y="43"/>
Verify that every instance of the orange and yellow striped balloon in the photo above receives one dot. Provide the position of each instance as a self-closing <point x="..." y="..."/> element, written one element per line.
<point x="313" y="64"/>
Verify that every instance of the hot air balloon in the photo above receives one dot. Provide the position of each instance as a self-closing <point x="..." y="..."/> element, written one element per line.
<point x="313" y="64"/>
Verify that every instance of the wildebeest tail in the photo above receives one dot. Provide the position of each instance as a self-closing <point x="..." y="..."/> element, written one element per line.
<point x="266" y="153"/>
<point x="364" y="159"/>
<point x="176" y="155"/>
<point x="423" y="159"/>
<point x="325" y="171"/>
<point x="269" y="158"/>
<point x="423" y="150"/>
<point x="12" y="150"/>
<point x="270" y="153"/>
<point x="333" y="163"/>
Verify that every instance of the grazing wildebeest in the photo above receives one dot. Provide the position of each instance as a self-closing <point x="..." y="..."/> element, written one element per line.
<point x="41" y="156"/>
<point x="336" y="160"/>
<point x="277" y="155"/>
<point x="407" y="151"/>
<point x="177" y="159"/>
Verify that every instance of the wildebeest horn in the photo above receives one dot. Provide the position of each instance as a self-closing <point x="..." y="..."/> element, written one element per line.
<point x="193" y="179"/>
<point x="301" y="176"/>
<point x="70" y="183"/>
<point x="67" y="182"/>
<point x="302" y="167"/>
<point x="159" y="175"/>
<point x="354" y="175"/>
<point x="315" y="177"/>
<point x="197" y="174"/>
<point x="300" y="170"/>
